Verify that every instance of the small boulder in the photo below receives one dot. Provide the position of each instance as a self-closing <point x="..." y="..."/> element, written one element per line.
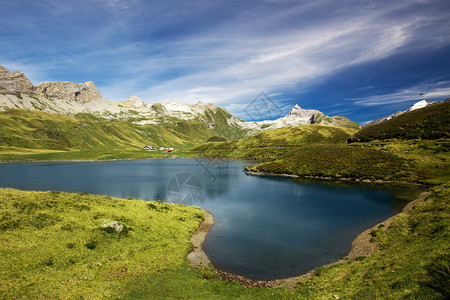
<point x="114" y="226"/>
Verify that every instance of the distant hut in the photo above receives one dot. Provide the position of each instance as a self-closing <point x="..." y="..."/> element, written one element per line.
<point x="149" y="148"/>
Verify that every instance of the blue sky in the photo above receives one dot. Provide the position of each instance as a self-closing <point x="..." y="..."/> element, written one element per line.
<point x="359" y="59"/>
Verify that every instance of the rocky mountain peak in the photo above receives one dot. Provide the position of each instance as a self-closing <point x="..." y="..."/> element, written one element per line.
<point x="14" y="82"/>
<point x="80" y="92"/>
<point x="298" y="112"/>
<point x="420" y="104"/>
<point x="134" y="101"/>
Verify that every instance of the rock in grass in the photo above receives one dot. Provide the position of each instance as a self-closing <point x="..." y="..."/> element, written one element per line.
<point x="114" y="226"/>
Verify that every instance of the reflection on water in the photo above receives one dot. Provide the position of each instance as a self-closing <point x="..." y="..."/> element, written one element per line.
<point x="265" y="227"/>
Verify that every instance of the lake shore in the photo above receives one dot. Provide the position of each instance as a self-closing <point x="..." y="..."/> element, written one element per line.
<point x="260" y="173"/>
<point x="197" y="257"/>
<point x="361" y="246"/>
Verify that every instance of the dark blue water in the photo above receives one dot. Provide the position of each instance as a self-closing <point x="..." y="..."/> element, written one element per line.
<point x="265" y="227"/>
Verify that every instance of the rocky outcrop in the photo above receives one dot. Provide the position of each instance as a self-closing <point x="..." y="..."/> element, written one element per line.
<point x="80" y="92"/>
<point x="307" y="116"/>
<point x="299" y="116"/>
<point x="14" y="82"/>
<point x="134" y="101"/>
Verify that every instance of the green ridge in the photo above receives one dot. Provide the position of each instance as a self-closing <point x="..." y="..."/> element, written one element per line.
<point x="431" y="122"/>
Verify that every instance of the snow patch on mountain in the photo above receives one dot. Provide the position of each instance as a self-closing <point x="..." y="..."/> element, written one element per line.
<point x="415" y="106"/>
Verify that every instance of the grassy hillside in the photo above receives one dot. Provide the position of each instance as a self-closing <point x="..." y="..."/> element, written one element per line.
<point x="431" y="122"/>
<point x="22" y="129"/>
<point x="338" y="161"/>
<point x="320" y="151"/>
<point x="274" y="143"/>
<point x="52" y="246"/>
<point x="336" y="120"/>
<point x="398" y="160"/>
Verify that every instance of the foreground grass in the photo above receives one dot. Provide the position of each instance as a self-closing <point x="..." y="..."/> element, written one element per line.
<point x="52" y="247"/>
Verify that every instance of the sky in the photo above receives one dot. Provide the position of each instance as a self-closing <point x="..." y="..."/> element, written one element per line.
<point x="359" y="59"/>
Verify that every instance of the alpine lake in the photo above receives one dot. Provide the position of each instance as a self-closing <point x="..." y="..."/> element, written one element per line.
<point x="265" y="227"/>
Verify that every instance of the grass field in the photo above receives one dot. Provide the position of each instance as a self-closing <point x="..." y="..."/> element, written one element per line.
<point x="52" y="245"/>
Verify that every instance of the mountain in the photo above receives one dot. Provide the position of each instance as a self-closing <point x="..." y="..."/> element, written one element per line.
<point x="14" y="82"/>
<point x="299" y="116"/>
<point x="417" y="105"/>
<point x="72" y="99"/>
<point x="429" y="122"/>
<point x="22" y="129"/>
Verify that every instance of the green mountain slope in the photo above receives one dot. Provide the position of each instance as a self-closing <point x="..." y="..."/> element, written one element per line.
<point x="39" y="130"/>
<point x="431" y="122"/>
<point x="297" y="136"/>
<point x="337" y="161"/>
<point x="272" y="141"/>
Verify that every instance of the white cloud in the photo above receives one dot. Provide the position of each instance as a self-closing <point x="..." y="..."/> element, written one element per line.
<point x="230" y="64"/>
<point x="438" y="91"/>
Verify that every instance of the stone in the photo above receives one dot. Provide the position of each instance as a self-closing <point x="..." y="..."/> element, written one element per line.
<point x="114" y="226"/>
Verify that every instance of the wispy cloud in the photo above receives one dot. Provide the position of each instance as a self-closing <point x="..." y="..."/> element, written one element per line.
<point x="435" y="91"/>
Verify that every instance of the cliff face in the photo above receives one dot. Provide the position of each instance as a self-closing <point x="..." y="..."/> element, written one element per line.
<point x="14" y="82"/>
<point x="80" y="92"/>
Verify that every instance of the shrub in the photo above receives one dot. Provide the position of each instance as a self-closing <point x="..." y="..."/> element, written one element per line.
<point x="91" y="245"/>
<point x="438" y="276"/>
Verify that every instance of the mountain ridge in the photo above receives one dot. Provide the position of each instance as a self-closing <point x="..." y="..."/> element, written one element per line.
<point x="69" y="98"/>
<point x="417" y="105"/>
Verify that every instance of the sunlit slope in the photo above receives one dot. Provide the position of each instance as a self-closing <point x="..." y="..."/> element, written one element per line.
<point x="338" y="161"/>
<point x="39" y="130"/>
<point x="286" y="137"/>
<point x="53" y="246"/>
<point x="431" y="122"/>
